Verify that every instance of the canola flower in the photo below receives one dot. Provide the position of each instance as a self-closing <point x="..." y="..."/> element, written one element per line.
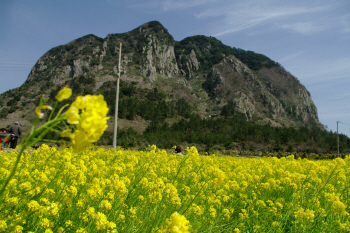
<point x="177" y="224"/>
<point x="87" y="113"/>
<point x="108" y="190"/>
<point x="63" y="94"/>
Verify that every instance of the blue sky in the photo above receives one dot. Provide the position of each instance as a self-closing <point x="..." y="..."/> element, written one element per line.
<point x="310" y="39"/>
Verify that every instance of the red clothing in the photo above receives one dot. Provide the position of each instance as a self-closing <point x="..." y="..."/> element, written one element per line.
<point x="2" y="140"/>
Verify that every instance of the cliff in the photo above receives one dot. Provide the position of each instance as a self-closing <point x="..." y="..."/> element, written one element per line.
<point x="199" y="69"/>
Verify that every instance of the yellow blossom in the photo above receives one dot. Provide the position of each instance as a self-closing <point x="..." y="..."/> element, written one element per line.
<point x="38" y="110"/>
<point x="132" y="211"/>
<point x="81" y="230"/>
<point x="69" y="223"/>
<point x="63" y="94"/>
<point x="106" y="204"/>
<point x="89" y="115"/>
<point x="33" y="205"/>
<point x="3" y="225"/>
<point x="44" y="223"/>
<point x="18" y="229"/>
<point x="178" y="224"/>
<point x="101" y="221"/>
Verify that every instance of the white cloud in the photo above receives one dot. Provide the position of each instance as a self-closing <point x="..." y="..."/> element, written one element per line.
<point x="239" y="17"/>
<point x="291" y="56"/>
<point x="327" y="70"/>
<point x="169" y="5"/>
<point x="175" y="5"/>
<point x="306" y="28"/>
<point x="315" y="69"/>
<point x="305" y="17"/>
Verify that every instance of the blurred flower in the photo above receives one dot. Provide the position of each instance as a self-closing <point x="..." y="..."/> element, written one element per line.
<point x="178" y="224"/>
<point x="38" y="110"/>
<point x="89" y="115"/>
<point x="63" y="94"/>
<point x="3" y="225"/>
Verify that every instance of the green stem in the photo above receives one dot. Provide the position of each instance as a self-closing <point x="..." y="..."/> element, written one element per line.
<point x="55" y="122"/>
<point x="52" y="111"/>
<point x="61" y="109"/>
<point x="12" y="171"/>
<point x="48" y="140"/>
<point x="26" y="143"/>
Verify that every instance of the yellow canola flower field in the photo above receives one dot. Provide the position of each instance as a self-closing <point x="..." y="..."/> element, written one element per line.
<point x="108" y="190"/>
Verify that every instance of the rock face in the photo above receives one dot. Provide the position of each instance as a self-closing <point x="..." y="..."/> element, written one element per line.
<point x="159" y="57"/>
<point x="255" y="94"/>
<point x="209" y="73"/>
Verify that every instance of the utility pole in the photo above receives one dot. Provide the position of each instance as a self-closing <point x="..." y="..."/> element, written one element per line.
<point x="116" y="103"/>
<point x="338" y="138"/>
<point x="338" y="135"/>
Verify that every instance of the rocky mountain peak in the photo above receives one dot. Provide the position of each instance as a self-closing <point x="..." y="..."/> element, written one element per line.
<point x="200" y="69"/>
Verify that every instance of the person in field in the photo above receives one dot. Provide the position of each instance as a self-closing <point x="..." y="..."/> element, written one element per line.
<point x="16" y="130"/>
<point x="4" y="138"/>
<point x="178" y="151"/>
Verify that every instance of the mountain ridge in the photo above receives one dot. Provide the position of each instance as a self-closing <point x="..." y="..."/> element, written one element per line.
<point x="201" y="70"/>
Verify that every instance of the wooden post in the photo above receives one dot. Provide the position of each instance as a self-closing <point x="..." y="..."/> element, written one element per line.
<point x="116" y="103"/>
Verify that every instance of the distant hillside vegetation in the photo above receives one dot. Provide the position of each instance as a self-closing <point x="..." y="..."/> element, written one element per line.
<point x="194" y="91"/>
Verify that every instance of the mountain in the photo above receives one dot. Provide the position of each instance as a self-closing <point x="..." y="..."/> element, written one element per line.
<point x="198" y="74"/>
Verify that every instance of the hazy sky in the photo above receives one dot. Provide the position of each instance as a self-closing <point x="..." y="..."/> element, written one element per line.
<point x="310" y="39"/>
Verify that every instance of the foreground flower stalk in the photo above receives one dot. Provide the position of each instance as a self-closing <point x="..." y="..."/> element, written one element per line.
<point x="87" y="116"/>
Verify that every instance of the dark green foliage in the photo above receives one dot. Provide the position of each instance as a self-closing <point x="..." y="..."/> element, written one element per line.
<point x="231" y="127"/>
<point x="68" y="47"/>
<point x="228" y="110"/>
<point x="56" y="50"/>
<point x="4" y="112"/>
<point x="67" y="54"/>
<point x="210" y="51"/>
<point x="235" y="128"/>
<point x="161" y="32"/>
<point x="125" y="138"/>
<point x="87" y="51"/>
<point x="94" y="62"/>
<point x="225" y="131"/>
<point x="278" y="147"/>
<point x="106" y="138"/>
<point x="14" y="100"/>
<point x="109" y="54"/>
<point x="156" y="25"/>
<point x="254" y="61"/>
<point x="46" y="86"/>
<point x="70" y="60"/>
<point x="86" y="80"/>
<point x="149" y="104"/>
<point x="90" y="37"/>
<point x="88" y="91"/>
<point x="13" y="109"/>
<point x="183" y="108"/>
<point x="155" y="95"/>
<point x="54" y="92"/>
<point x="82" y="85"/>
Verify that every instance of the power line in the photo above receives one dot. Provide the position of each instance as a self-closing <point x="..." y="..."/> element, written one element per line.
<point x="344" y="123"/>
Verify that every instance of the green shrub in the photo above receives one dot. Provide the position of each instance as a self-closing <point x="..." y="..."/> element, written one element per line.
<point x="13" y="109"/>
<point x="4" y="112"/>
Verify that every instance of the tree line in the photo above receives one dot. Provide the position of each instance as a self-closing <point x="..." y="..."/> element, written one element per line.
<point x="229" y="130"/>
